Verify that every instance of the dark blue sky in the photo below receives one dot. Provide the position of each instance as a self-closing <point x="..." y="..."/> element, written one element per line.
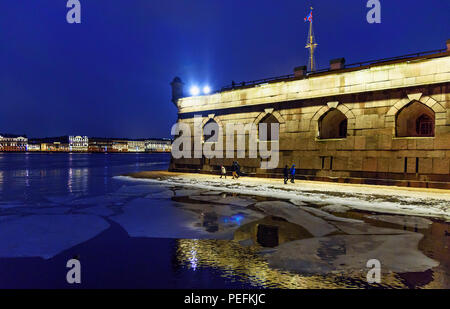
<point x="110" y="75"/>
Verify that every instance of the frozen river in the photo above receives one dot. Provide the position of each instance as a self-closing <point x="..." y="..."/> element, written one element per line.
<point x="168" y="234"/>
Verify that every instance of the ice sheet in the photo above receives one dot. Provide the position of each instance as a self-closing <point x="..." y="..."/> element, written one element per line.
<point x="47" y="235"/>
<point x="345" y="253"/>
<point x="377" y="199"/>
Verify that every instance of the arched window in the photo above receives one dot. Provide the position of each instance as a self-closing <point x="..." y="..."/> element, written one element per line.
<point x="333" y="125"/>
<point x="415" y="120"/>
<point x="265" y="127"/>
<point x="211" y="131"/>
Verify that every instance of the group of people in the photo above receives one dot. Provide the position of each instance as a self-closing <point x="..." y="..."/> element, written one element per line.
<point x="235" y="170"/>
<point x="289" y="173"/>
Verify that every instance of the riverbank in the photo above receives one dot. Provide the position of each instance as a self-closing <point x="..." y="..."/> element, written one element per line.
<point x="423" y="202"/>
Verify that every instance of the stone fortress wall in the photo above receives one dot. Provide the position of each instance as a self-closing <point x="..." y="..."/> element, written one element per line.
<point x="382" y="123"/>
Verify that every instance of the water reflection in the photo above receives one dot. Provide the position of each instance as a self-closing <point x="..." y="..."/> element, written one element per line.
<point x="245" y="262"/>
<point x="270" y="232"/>
<point x="193" y="255"/>
<point x="241" y="258"/>
<point x="77" y="179"/>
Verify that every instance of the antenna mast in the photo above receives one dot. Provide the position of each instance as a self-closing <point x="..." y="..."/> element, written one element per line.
<point x="311" y="43"/>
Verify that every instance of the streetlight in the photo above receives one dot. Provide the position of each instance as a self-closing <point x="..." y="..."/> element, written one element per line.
<point x="194" y="91"/>
<point x="206" y="90"/>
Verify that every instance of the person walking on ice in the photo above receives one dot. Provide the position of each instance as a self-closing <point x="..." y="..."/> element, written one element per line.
<point x="292" y="172"/>
<point x="234" y="170"/>
<point x="286" y="174"/>
<point x="223" y="172"/>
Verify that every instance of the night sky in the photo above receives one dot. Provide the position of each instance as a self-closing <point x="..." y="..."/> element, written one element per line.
<point x="110" y="75"/>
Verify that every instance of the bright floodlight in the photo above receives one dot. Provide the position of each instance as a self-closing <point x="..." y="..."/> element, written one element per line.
<point x="206" y="90"/>
<point x="194" y="90"/>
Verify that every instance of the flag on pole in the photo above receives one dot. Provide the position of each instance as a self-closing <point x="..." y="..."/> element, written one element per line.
<point x="309" y="17"/>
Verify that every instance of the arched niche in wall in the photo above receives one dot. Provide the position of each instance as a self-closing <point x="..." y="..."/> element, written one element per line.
<point x="415" y="120"/>
<point x="333" y="124"/>
<point x="269" y="123"/>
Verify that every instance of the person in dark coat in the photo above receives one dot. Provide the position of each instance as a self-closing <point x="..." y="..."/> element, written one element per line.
<point x="286" y="174"/>
<point x="234" y="170"/>
<point x="292" y="172"/>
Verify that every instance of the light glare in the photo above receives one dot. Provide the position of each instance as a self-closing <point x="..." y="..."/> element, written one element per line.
<point x="206" y="90"/>
<point x="194" y="90"/>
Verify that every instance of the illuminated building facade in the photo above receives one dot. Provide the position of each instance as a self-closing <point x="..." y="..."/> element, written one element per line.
<point x="13" y="143"/>
<point x="158" y="145"/>
<point x="136" y="146"/>
<point x="78" y="143"/>
<point x="379" y="122"/>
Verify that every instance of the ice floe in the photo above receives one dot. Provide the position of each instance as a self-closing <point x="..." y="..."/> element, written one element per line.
<point x="187" y="192"/>
<point x="144" y="218"/>
<point x="97" y="210"/>
<point x="316" y="226"/>
<point x="169" y="219"/>
<point x="163" y="194"/>
<point x="366" y="229"/>
<point x="408" y="221"/>
<point x="242" y="201"/>
<point x="137" y="190"/>
<point x="346" y="253"/>
<point x="327" y="216"/>
<point x="47" y="235"/>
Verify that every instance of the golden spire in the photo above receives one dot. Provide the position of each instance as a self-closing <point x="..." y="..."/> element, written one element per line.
<point x="311" y="43"/>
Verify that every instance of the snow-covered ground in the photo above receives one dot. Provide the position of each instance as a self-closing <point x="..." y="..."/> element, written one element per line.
<point x="333" y="197"/>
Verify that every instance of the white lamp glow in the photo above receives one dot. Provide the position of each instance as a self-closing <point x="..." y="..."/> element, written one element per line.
<point x="206" y="90"/>
<point x="194" y="90"/>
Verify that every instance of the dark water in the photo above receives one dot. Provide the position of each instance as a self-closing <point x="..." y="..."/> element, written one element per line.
<point x="54" y="207"/>
<point x="111" y="259"/>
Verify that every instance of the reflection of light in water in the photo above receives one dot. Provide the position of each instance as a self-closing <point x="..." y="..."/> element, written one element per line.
<point x="234" y="219"/>
<point x="1" y="180"/>
<point x="193" y="255"/>
<point x="105" y="176"/>
<point x="246" y="262"/>
<point x="77" y="179"/>
<point x="27" y="177"/>
<point x="69" y="180"/>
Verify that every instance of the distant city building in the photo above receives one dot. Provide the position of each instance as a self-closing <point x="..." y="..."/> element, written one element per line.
<point x="136" y="146"/>
<point x="120" y="145"/>
<point x="100" y="144"/>
<point x="78" y="143"/>
<point x="34" y="147"/>
<point x="158" y="145"/>
<point x="54" y="144"/>
<point x="11" y="142"/>
<point x="72" y="143"/>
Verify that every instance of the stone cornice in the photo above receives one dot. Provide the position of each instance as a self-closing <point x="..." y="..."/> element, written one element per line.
<point x="418" y="72"/>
